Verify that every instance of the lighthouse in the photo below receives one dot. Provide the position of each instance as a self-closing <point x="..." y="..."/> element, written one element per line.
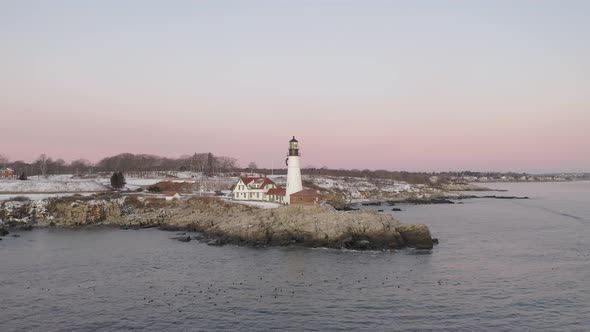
<point x="293" y="170"/>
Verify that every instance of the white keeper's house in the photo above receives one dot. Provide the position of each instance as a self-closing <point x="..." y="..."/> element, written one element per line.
<point x="253" y="189"/>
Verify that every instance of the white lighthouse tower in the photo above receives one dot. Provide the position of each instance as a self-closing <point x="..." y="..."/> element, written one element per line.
<point x="293" y="170"/>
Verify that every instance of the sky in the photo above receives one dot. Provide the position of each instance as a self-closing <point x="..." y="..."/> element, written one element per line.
<point x="398" y="85"/>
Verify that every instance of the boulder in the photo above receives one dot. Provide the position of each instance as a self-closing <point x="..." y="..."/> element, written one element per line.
<point x="417" y="236"/>
<point x="215" y="242"/>
<point x="182" y="238"/>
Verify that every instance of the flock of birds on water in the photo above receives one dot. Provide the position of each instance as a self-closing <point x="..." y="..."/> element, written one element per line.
<point x="257" y="290"/>
<point x="219" y="294"/>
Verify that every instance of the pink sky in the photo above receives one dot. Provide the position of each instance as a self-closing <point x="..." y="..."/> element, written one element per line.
<point x="380" y="86"/>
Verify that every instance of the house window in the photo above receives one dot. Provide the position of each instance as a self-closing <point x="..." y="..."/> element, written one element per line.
<point x="257" y="195"/>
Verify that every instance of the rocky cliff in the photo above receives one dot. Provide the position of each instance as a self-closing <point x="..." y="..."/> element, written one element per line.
<point x="223" y="222"/>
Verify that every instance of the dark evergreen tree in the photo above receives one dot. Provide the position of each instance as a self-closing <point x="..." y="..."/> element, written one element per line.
<point x="23" y="176"/>
<point x="210" y="169"/>
<point x="117" y="180"/>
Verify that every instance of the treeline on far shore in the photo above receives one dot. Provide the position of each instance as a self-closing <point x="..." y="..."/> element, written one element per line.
<point x="124" y="162"/>
<point x="210" y="164"/>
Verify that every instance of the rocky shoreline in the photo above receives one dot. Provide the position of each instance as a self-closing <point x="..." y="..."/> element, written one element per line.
<point x="221" y="222"/>
<point x="445" y="199"/>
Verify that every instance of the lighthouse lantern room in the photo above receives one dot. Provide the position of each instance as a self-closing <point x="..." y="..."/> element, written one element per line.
<point x="293" y="170"/>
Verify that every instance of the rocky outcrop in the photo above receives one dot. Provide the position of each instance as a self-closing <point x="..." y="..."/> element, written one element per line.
<point x="222" y="222"/>
<point x="417" y="236"/>
<point x="74" y="214"/>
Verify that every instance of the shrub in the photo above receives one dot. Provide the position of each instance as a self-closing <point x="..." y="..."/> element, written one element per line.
<point x="154" y="189"/>
<point x="117" y="180"/>
<point x="20" y="199"/>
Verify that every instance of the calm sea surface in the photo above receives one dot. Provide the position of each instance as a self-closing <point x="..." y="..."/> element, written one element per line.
<point x="501" y="265"/>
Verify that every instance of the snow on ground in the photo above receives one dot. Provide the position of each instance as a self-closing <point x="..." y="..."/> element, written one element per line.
<point x="189" y="175"/>
<point x="132" y="181"/>
<point x="36" y="197"/>
<point x="355" y="186"/>
<point x="52" y="178"/>
<point x="50" y="185"/>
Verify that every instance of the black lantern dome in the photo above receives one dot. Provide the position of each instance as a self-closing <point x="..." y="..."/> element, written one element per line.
<point x="293" y="147"/>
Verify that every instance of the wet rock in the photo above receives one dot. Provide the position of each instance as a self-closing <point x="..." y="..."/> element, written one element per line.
<point x="363" y="244"/>
<point x="356" y="244"/>
<point x="171" y="227"/>
<point x="215" y="242"/>
<point x="15" y="235"/>
<point x="434" y="241"/>
<point x="396" y="209"/>
<point x="346" y="208"/>
<point x="505" y="197"/>
<point x="182" y="238"/>
<point x="417" y="236"/>
<point x="431" y="200"/>
<point x="26" y="227"/>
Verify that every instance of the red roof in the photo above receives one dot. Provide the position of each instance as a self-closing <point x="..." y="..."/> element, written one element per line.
<point x="306" y="192"/>
<point x="262" y="179"/>
<point x="276" y="191"/>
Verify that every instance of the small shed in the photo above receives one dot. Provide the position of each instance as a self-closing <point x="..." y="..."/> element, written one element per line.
<point x="305" y="197"/>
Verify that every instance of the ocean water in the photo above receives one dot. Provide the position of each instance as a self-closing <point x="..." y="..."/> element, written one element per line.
<point x="501" y="265"/>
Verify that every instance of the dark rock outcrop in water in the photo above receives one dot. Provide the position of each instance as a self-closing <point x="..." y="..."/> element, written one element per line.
<point x="417" y="236"/>
<point x="504" y="197"/>
<point x="491" y="196"/>
<point x="431" y="200"/>
<point x="371" y="204"/>
<point x="220" y="223"/>
<point x="185" y="238"/>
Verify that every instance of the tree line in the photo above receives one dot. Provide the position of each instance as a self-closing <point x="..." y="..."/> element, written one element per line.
<point x="125" y="162"/>
<point x="410" y="177"/>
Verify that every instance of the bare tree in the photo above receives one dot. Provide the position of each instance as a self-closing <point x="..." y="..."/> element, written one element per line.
<point x="227" y="164"/>
<point x="59" y="166"/>
<point x="42" y="164"/>
<point x="252" y="166"/>
<point x="80" y="166"/>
